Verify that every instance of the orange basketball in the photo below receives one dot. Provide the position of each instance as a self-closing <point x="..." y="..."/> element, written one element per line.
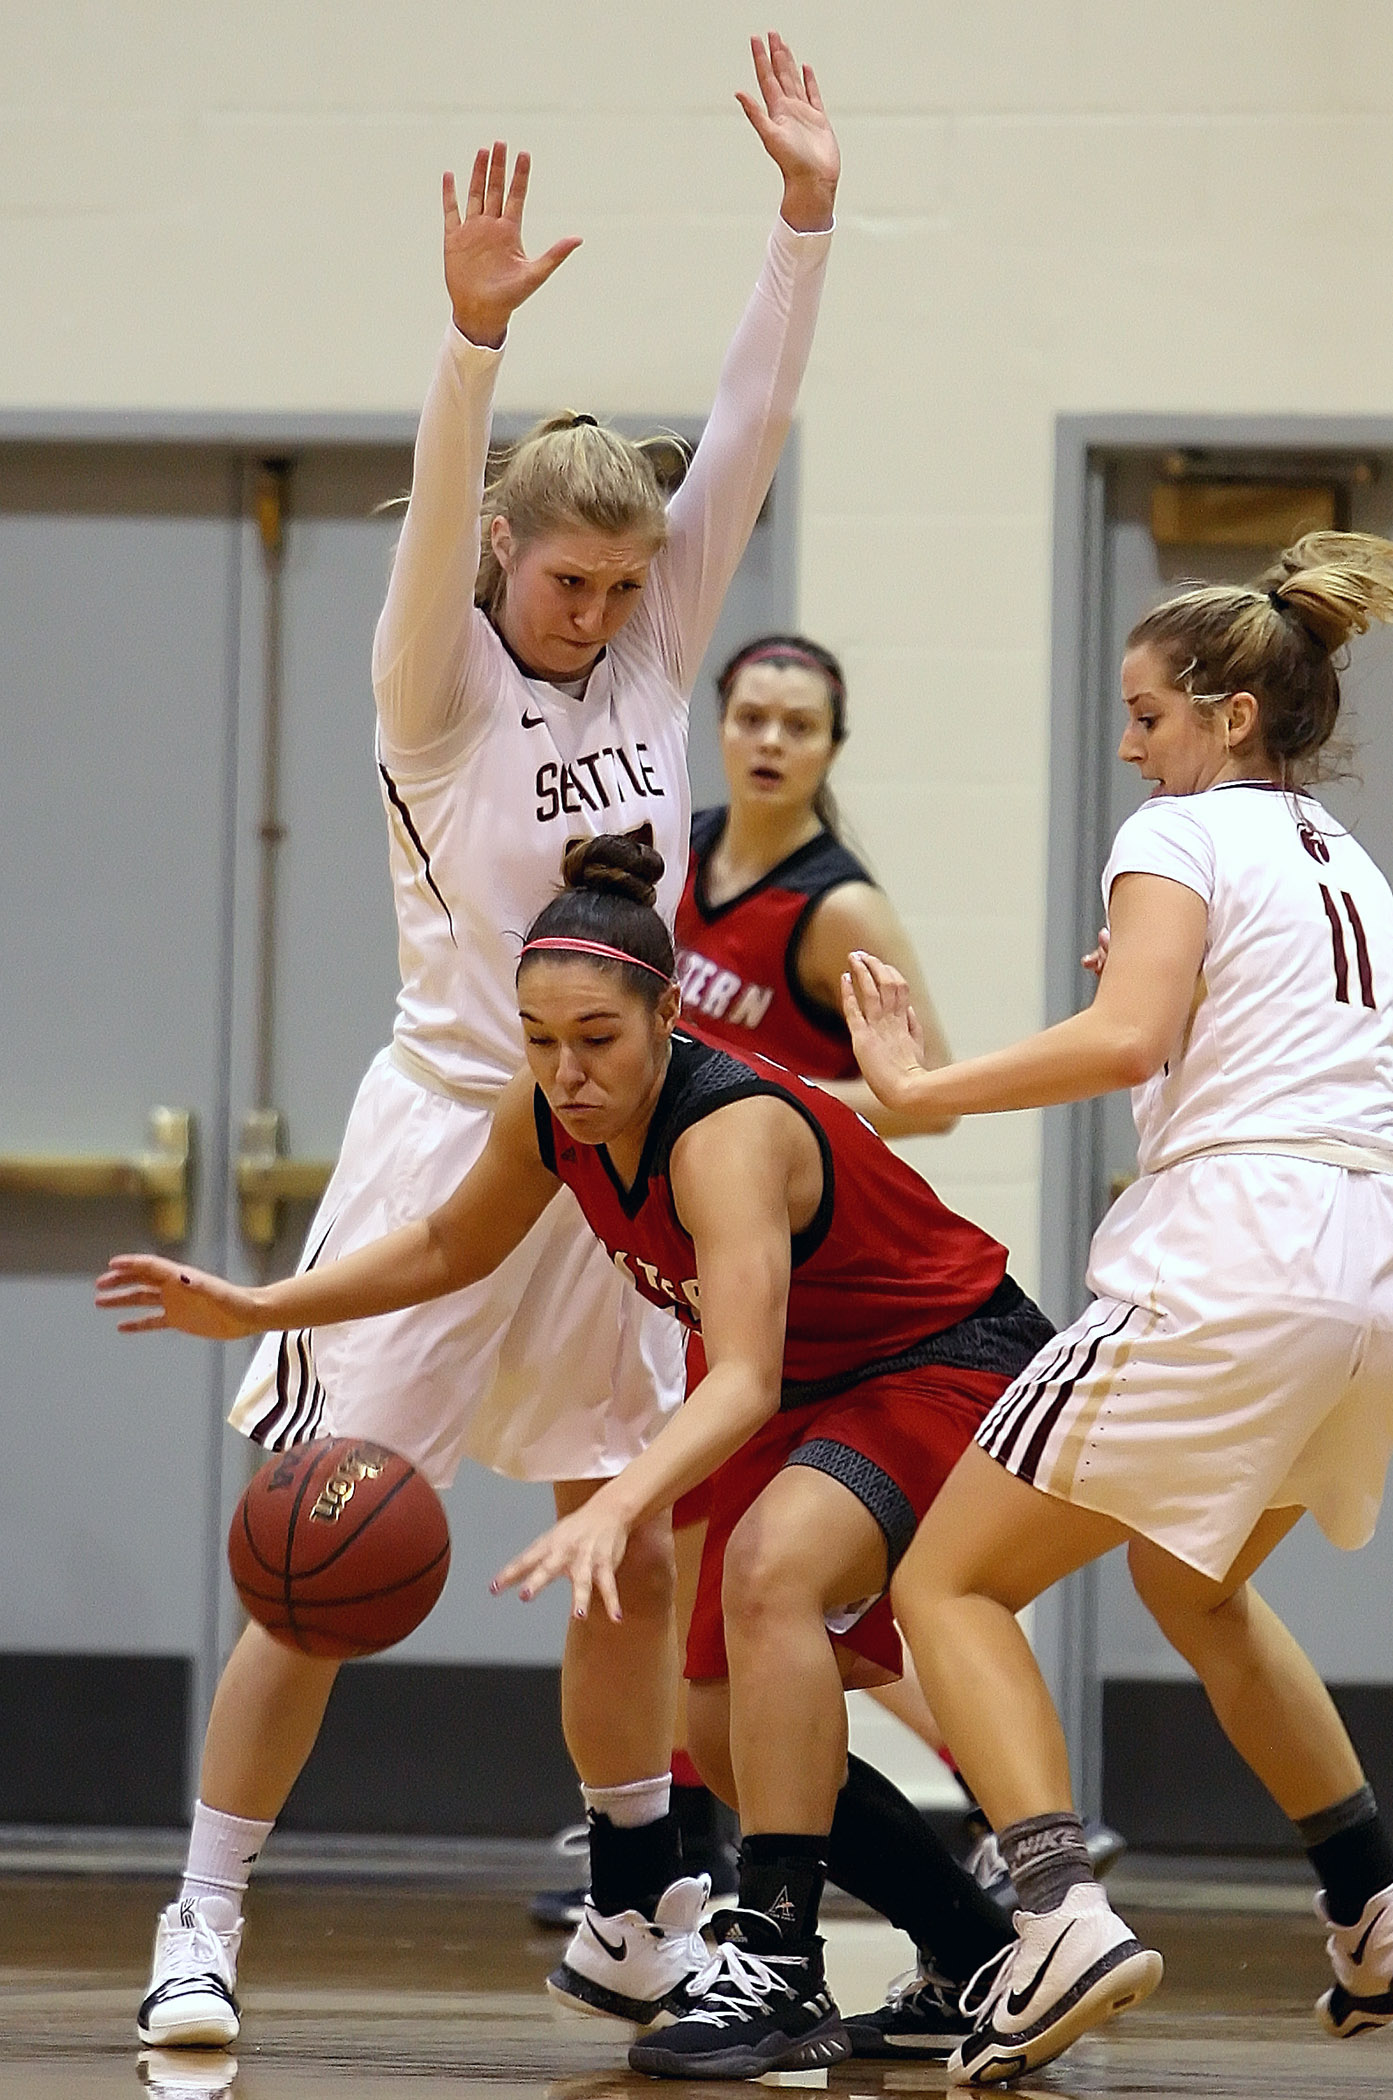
<point x="339" y="1547"/>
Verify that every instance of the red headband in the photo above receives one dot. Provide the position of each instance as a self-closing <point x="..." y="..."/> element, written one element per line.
<point x="579" y="947"/>
<point x="789" y="653"/>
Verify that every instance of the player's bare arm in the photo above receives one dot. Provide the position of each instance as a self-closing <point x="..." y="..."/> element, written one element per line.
<point x="743" y="1180"/>
<point x="490" y="1213"/>
<point x="857" y="918"/>
<point x="1137" y="1019"/>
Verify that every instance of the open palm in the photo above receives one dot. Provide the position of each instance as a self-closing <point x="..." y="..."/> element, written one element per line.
<point x="488" y="274"/>
<point x="792" y="124"/>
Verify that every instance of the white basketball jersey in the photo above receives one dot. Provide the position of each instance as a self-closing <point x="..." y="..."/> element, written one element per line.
<point x="1291" y="1034"/>
<point x="487" y="773"/>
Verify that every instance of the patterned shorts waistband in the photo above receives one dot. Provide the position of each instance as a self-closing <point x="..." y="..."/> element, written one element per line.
<point x="1000" y="1338"/>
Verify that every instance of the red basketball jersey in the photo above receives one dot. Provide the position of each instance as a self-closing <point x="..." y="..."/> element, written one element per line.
<point x="883" y="1265"/>
<point x="737" y="962"/>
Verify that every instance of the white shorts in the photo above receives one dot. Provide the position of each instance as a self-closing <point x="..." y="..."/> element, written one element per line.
<point x="553" y="1368"/>
<point x="1238" y="1358"/>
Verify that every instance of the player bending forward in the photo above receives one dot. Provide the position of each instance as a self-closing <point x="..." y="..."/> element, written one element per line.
<point x="1236" y="1366"/>
<point x="855" y="1333"/>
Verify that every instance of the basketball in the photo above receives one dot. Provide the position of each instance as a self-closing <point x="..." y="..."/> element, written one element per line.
<point x="339" y="1548"/>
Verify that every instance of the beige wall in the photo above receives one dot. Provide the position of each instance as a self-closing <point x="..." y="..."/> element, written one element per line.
<point x="1048" y="205"/>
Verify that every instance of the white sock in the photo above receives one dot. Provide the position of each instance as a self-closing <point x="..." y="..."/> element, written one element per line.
<point x="630" y="1807"/>
<point x="222" y="1852"/>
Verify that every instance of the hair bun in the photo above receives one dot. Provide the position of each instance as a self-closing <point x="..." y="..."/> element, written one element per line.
<point x="620" y="864"/>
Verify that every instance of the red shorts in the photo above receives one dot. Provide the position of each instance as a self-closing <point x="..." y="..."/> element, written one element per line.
<point x="892" y="1441"/>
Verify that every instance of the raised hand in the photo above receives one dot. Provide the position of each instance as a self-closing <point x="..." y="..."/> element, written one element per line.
<point x="885" y="1033"/>
<point x="586" y="1548"/>
<point x="181" y="1298"/>
<point x="795" y="133"/>
<point x="487" y="274"/>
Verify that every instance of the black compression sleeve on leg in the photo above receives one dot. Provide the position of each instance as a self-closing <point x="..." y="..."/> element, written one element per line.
<point x="882" y="1850"/>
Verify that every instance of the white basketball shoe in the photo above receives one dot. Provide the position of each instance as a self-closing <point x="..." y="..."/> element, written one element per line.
<point x="1361" y="1955"/>
<point x="632" y="1967"/>
<point x="191" y="2002"/>
<point x="1068" y="1970"/>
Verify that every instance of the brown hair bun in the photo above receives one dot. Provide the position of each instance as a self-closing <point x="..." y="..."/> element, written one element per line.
<point x="617" y="864"/>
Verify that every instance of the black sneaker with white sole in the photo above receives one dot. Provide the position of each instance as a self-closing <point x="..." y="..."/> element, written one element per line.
<point x="1067" y="1971"/>
<point x="920" y="2020"/>
<point x="762" y="2004"/>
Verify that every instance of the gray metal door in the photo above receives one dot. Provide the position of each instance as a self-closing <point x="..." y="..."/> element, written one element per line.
<point x="1110" y="568"/>
<point x="197" y="918"/>
<point x="119" y="572"/>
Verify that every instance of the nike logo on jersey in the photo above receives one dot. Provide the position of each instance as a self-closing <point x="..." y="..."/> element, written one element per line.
<point x="618" y="1953"/>
<point x="532" y="721"/>
<point x="597" y="780"/>
<point x="708" y="989"/>
<point x="1017" y="2001"/>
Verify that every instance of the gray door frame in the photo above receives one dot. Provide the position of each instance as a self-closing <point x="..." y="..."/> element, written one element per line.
<point x="1073" y="1193"/>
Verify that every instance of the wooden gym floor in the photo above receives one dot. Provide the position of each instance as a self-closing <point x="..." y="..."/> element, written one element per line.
<point x="373" y="1991"/>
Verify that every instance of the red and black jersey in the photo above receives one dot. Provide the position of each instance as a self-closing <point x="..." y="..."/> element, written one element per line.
<point x="881" y="1274"/>
<point x="737" y="962"/>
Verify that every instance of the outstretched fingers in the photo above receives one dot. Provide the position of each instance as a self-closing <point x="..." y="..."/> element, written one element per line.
<point x="497" y="174"/>
<point x="478" y="183"/>
<point x="517" y="188"/>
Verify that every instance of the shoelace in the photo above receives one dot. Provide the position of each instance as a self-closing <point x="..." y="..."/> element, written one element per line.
<point x="741" y="1983"/>
<point x="200" y="1942"/>
<point x="919" y="1983"/>
<point x="992" y="1977"/>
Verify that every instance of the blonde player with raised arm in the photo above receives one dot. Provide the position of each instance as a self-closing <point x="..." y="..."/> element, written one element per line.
<point x="1236" y="1366"/>
<point x="536" y="695"/>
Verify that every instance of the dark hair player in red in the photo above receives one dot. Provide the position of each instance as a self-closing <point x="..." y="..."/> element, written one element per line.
<point x="856" y="1331"/>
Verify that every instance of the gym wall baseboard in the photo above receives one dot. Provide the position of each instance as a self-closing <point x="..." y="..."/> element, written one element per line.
<point x="440" y="1750"/>
<point x="1172" y="1782"/>
<point x="94" y="1740"/>
<point x="407" y="1749"/>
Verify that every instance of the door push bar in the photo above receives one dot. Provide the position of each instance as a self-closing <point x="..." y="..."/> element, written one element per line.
<point x="266" y="1178"/>
<point x="160" y="1175"/>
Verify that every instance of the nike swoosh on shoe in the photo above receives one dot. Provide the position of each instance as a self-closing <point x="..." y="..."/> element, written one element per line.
<point x="1017" y="2001"/>
<point x="619" y="1953"/>
<point x="1358" y="1954"/>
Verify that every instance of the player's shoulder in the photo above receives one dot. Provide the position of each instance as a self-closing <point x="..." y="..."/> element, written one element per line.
<point x="707" y="826"/>
<point x="702" y="1079"/>
<point x="825" y="864"/>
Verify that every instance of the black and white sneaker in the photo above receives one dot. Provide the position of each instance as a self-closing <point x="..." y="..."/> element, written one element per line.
<point x="920" y="2019"/>
<point x="631" y="1967"/>
<point x="1068" y="1970"/>
<point x="1361" y="1997"/>
<point x="191" y="2002"/>
<point x="761" y="2005"/>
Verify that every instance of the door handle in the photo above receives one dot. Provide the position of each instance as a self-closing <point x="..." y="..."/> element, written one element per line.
<point x="266" y="1178"/>
<point x="160" y="1175"/>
